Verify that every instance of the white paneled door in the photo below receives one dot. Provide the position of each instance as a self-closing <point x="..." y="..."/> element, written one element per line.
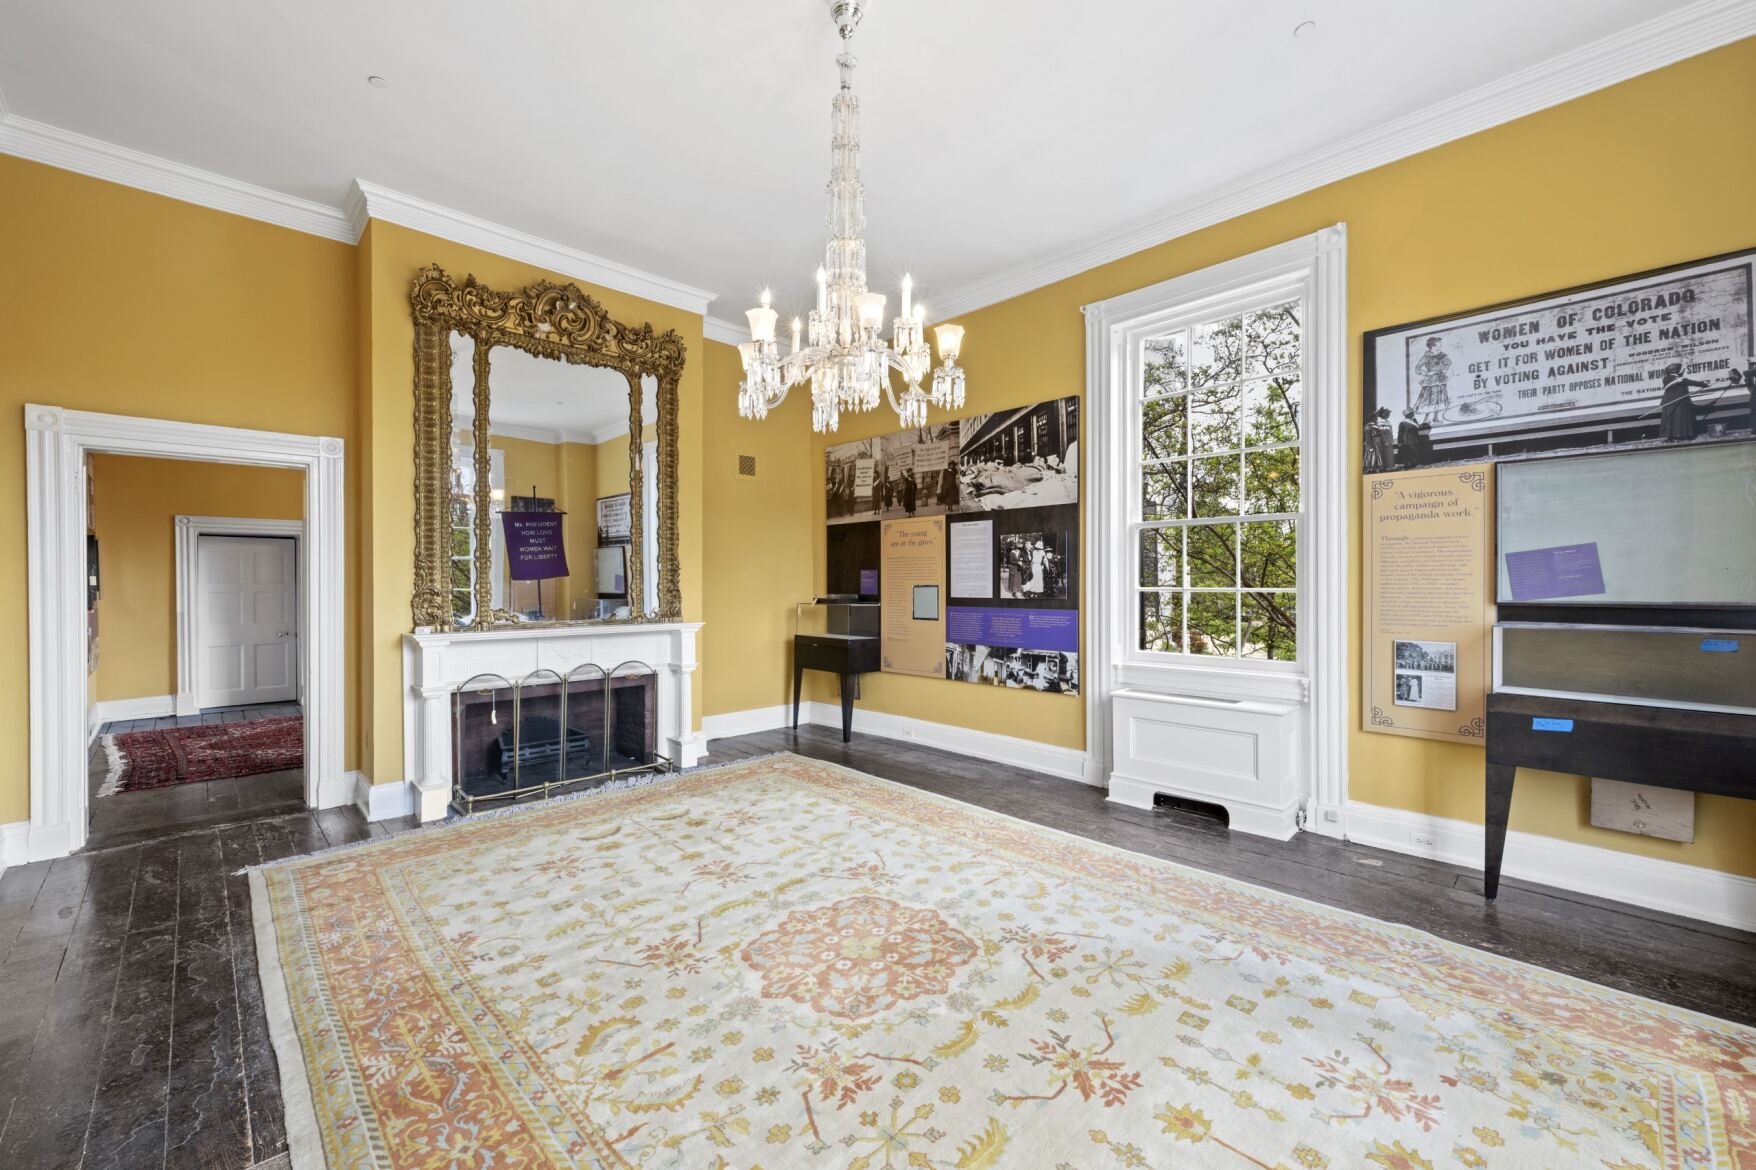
<point x="248" y="632"/>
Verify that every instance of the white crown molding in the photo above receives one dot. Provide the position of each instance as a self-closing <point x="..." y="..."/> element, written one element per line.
<point x="719" y="329"/>
<point x="39" y="142"/>
<point x="1690" y="30"/>
<point x="371" y="201"/>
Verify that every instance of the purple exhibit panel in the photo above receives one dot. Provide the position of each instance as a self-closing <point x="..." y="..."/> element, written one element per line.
<point x="1571" y="570"/>
<point x="1022" y="629"/>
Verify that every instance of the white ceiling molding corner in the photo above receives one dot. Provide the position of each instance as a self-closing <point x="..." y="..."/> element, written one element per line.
<point x="719" y="329"/>
<point x="1689" y="31"/>
<point x="39" y="142"/>
<point x="370" y="201"/>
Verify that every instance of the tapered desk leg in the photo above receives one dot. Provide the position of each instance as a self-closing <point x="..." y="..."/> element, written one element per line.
<point x="848" y="684"/>
<point x="798" y="680"/>
<point x="1499" y="811"/>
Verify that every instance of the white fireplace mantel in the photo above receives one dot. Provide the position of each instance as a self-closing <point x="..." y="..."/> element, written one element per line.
<point x="435" y="665"/>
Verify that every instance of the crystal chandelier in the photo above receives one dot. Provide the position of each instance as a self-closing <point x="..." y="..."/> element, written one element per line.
<point x="844" y="356"/>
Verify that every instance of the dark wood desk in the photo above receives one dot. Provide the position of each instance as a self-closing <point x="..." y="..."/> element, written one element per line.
<point x="1666" y="747"/>
<point x="846" y="655"/>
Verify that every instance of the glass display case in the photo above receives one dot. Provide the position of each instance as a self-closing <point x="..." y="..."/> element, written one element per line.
<point x="836" y="618"/>
<point x="1650" y="666"/>
<point x="839" y="635"/>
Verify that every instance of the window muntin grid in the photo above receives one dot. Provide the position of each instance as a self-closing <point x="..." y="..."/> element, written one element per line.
<point x="1216" y="537"/>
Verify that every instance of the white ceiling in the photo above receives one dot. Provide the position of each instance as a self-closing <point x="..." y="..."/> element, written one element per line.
<point x="689" y="138"/>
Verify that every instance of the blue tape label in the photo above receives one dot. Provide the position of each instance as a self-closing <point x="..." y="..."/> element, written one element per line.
<point x="1551" y="725"/>
<point x="1720" y="645"/>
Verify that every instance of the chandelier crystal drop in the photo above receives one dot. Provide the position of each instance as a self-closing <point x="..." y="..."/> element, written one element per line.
<point x="839" y="348"/>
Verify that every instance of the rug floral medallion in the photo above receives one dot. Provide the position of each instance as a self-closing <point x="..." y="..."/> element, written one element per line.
<point x="783" y="963"/>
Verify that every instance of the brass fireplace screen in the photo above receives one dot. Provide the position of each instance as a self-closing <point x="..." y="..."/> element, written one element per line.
<point x="548" y="731"/>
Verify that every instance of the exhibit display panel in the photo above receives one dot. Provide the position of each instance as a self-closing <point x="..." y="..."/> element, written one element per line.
<point x="1703" y="669"/>
<point x="1665" y="526"/>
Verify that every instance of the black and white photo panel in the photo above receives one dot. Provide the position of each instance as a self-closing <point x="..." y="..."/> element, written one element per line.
<point x="1026" y="457"/>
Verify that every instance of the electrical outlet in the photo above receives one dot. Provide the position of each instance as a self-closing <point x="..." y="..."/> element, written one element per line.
<point x="1422" y="841"/>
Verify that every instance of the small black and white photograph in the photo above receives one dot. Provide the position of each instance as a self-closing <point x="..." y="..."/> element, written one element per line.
<point x="919" y="474"/>
<point x="1426" y="674"/>
<point x="1033" y="565"/>
<point x="851" y="475"/>
<point x="1052" y="671"/>
<point x="1021" y="458"/>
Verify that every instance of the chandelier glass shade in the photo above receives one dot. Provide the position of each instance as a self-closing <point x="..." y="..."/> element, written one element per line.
<point x="840" y="348"/>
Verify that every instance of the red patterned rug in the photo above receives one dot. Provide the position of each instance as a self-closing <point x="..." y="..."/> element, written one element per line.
<point x="188" y="755"/>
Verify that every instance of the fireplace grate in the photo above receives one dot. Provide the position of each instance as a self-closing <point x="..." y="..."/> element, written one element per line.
<point x="530" y="737"/>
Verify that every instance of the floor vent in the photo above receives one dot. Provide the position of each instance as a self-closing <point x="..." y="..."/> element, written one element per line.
<point x="747" y="465"/>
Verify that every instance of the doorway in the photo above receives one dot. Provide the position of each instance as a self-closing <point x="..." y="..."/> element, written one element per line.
<point x="58" y="443"/>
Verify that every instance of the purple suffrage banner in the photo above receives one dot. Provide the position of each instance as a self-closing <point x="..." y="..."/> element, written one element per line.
<point x="533" y="545"/>
<point x="868" y="581"/>
<point x="1021" y="629"/>
<point x="1572" y="570"/>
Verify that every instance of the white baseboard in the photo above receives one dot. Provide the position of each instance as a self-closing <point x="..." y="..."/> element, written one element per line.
<point x="337" y="791"/>
<point x="1689" y="891"/>
<point x="1067" y="763"/>
<point x="14" y="844"/>
<point x="383" y="802"/>
<point x="149" y="707"/>
<point x="749" y="722"/>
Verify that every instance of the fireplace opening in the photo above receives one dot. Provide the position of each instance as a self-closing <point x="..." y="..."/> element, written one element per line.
<point x="533" y="736"/>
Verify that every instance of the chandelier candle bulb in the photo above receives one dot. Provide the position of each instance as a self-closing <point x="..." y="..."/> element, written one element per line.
<point x="795" y="335"/>
<point x="950" y="341"/>
<point x="871" y="306"/>
<point x="908" y="287"/>
<point x="762" y="324"/>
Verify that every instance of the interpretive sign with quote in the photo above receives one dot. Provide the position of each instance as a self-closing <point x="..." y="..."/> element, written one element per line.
<point x="1428" y="616"/>
<point x="912" y="591"/>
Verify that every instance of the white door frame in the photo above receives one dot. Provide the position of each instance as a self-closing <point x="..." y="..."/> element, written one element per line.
<point x="190" y="530"/>
<point x="56" y="444"/>
<point x="1319" y="261"/>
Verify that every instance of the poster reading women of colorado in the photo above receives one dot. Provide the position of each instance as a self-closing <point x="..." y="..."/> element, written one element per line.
<point x="1663" y="357"/>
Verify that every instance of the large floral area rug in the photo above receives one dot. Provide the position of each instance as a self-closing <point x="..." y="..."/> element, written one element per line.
<point x="139" y="760"/>
<point x="783" y="963"/>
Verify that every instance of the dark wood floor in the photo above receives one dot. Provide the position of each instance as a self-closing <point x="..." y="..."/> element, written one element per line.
<point x="126" y="818"/>
<point x="132" y="1032"/>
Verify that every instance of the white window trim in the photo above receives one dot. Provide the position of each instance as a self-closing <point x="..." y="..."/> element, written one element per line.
<point x="1313" y="267"/>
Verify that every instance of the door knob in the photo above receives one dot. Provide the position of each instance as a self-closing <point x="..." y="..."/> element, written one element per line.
<point x="284" y="634"/>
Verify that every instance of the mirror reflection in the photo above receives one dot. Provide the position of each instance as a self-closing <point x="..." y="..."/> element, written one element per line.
<point x="560" y="496"/>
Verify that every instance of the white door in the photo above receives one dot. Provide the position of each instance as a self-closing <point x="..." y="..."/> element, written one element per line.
<point x="247" y="635"/>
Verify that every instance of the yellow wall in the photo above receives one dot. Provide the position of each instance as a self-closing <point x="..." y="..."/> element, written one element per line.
<point x="119" y="301"/>
<point x="758" y="536"/>
<point x="137" y="501"/>
<point x="389" y="257"/>
<point x="1637" y="176"/>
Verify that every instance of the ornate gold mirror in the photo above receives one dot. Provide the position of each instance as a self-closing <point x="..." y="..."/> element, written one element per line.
<point x="545" y="459"/>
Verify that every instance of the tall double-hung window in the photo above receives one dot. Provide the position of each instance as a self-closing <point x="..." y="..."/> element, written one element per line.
<point x="1217" y="504"/>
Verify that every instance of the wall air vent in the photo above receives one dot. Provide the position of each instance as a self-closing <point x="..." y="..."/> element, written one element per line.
<point x="747" y="465"/>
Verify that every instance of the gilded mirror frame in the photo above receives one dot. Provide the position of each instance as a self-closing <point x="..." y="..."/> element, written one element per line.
<point x="558" y="321"/>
